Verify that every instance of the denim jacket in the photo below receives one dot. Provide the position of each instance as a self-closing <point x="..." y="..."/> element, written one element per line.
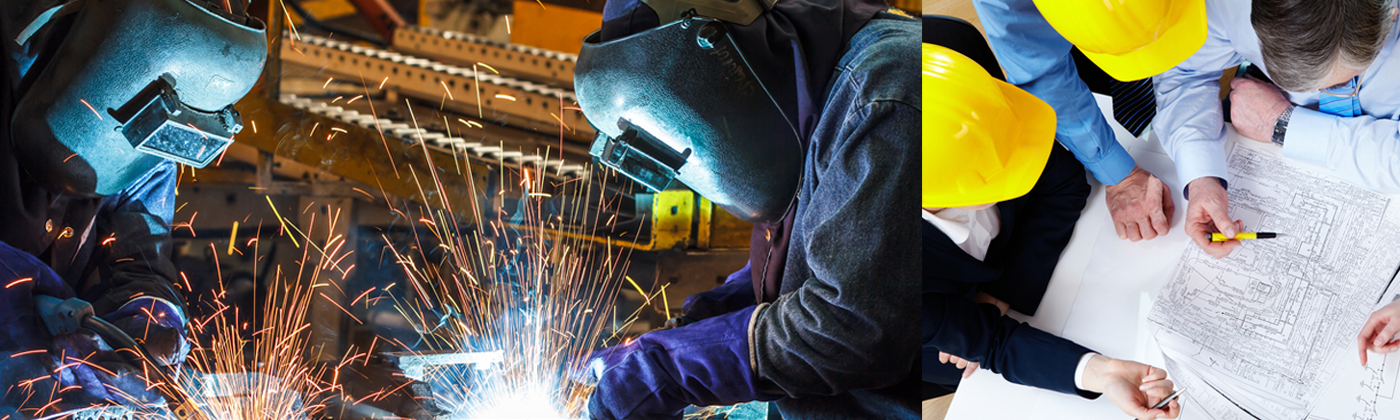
<point x="840" y="341"/>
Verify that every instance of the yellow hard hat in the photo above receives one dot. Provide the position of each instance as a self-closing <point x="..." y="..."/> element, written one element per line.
<point x="985" y="140"/>
<point x="1130" y="39"/>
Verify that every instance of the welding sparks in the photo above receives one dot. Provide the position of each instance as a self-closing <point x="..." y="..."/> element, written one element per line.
<point x="506" y="97"/>
<point x="20" y="281"/>
<point x="528" y="285"/>
<point x="94" y="110"/>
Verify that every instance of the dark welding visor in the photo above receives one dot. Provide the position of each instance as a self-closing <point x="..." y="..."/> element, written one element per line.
<point x="680" y="102"/>
<point x="131" y="83"/>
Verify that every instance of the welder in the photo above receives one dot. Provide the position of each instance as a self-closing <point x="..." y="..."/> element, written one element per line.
<point x="802" y="116"/>
<point x="99" y="101"/>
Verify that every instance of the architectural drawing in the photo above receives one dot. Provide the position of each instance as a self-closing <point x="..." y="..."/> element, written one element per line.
<point x="1277" y="315"/>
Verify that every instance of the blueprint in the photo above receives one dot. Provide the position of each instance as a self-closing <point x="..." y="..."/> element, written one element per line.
<point x="1364" y="392"/>
<point x="1269" y="325"/>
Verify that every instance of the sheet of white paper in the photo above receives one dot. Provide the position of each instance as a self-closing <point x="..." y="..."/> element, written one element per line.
<point x="1273" y="318"/>
<point x="1364" y="392"/>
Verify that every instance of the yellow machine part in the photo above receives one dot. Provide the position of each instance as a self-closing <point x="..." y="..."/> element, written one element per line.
<point x="552" y="27"/>
<point x="324" y="9"/>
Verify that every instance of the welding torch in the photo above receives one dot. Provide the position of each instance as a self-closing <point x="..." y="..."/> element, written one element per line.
<point x="130" y="350"/>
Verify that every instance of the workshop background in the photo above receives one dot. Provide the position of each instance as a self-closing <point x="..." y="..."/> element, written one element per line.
<point x="392" y="140"/>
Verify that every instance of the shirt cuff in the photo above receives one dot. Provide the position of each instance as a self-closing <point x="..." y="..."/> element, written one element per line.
<point x="1079" y="370"/>
<point x="1199" y="159"/>
<point x="1308" y="134"/>
<point x="1115" y="165"/>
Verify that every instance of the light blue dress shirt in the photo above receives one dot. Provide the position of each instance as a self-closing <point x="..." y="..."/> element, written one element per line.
<point x="1363" y="149"/>
<point x="1036" y="58"/>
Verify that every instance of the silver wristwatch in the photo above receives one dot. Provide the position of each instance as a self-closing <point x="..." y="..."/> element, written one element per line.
<point x="1281" y="125"/>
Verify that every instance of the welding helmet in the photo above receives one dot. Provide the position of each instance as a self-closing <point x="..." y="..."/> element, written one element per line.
<point x="985" y="140"/>
<point x="1130" y="39"/>
<point x="132" y="83"/>
<point x="679" y="101"/>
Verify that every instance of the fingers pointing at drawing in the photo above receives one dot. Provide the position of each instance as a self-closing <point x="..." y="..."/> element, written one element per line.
<point x="1208" y="212"/>
<point x="1378" y="334"/>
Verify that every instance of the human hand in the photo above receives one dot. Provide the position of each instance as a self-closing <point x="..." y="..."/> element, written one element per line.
<point x="1207" y="212"/>
<point x="156" y="326"/>
<point x="1255" y="107"/>
<point x="968" y="367"/>
<point x="1378" y="334"/>
<point x="1141" y="206"/>
<point x="983" y="297"/>
<point x="1132" y="386"/>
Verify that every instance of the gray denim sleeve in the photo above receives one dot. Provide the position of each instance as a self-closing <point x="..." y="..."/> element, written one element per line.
<point x="853" y="323"/>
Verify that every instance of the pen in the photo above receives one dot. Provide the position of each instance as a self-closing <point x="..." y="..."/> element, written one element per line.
<point x="1169" y="399"/>
<point x="1220" y="237"/>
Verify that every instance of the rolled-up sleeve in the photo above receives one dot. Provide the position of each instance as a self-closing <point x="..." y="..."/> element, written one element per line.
<point x="1190" y="120"/>
<point x="1036" y="58"/>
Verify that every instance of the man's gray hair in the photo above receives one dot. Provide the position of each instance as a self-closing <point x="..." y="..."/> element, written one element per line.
<point x="1301" y="39"/>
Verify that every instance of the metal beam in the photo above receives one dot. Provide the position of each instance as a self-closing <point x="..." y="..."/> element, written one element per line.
<point x="520" y="61"/>
<point x="466" y="90"/>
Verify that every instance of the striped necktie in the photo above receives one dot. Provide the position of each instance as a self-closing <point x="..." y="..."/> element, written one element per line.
<point x="1133" y="104"/>
<point x="1342" y="100"/>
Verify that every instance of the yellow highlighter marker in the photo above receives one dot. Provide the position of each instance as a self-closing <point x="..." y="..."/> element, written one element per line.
<point x="1220" y="237"/>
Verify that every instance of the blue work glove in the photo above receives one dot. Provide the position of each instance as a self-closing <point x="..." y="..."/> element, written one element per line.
<point x="157" y="325"/>
<point x="658" y="374"/>
<point x="736" y="293"/>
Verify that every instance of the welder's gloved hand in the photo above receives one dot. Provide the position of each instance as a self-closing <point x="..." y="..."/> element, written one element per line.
<point x="658" y="374"/>
<point x="91" y="373"/>
<point x="62" y="316"/>
<point x="736" y="293"/>
<point x="157" y="325"/>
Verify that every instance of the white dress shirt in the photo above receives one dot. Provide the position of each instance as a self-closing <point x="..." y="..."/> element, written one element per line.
<point x="971" y="230"/>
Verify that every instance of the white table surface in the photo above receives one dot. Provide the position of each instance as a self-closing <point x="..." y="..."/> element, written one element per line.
<point x="1105" y="311"/>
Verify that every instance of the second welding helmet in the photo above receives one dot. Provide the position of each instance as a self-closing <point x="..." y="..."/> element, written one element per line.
<point x="679" y="101"/>
<point x="132" y="83"/>
<point x="1130" y="39"/>
<point x="985" y="140"/>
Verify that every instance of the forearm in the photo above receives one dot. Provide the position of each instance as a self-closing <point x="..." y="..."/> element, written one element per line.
<point x="1363" y="149"/>
<point x="1190" y="119"/>
<point x="1021" y="353"/>
<point x="136" y="265"/>
<point x="856" y="250"/>
<point x="1041" y="64"/>
<point x="1190" y="123"/>
<point x="136" y="262"/>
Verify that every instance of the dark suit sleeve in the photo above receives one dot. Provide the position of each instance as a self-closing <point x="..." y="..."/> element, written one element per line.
<point x="1041" y="230"/>
<point x="137" y="262"/>
<point x="979" y="333"/>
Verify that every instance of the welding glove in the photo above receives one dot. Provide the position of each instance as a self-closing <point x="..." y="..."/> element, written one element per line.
<point x="72" y="359"/>
<point x="658" y="374"/>
<point x="736" y="293"/>
<point x="157" y="325"/>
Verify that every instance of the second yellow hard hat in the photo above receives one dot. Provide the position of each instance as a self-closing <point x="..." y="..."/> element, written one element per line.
<point x="1130" y="39"/>
<point x="984" y="140"/>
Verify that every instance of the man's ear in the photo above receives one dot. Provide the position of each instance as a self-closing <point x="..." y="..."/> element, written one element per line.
<point x="1393" y="12"/>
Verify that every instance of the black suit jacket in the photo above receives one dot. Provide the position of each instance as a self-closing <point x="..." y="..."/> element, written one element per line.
<point x="1035" y="228"/>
